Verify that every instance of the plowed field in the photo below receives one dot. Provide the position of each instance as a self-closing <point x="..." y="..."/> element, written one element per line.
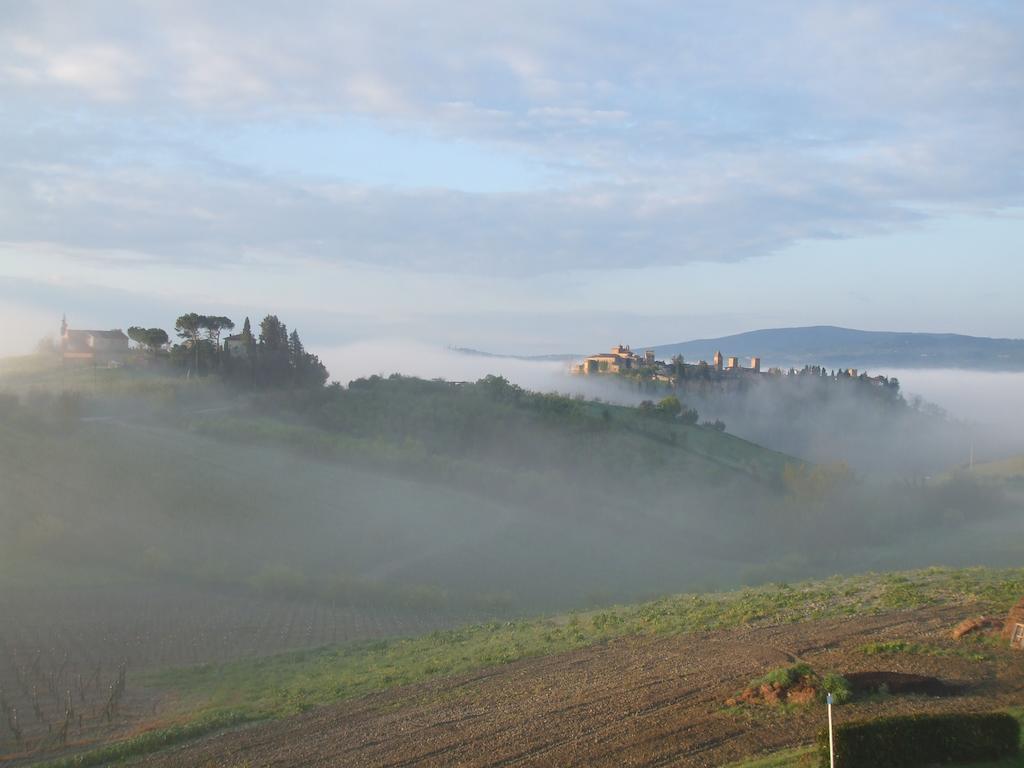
<point x="640" y="701"/>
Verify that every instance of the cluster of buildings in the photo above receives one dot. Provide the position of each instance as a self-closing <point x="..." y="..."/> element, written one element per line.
<point x="622" y="359"/>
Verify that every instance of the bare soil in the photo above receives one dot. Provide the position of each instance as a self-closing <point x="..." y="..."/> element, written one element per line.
<point x="641" y="701"/>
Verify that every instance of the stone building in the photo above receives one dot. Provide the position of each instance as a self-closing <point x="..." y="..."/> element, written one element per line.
<point x="93" y="347"/>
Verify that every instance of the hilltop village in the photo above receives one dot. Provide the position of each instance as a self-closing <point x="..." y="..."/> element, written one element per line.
<point x="721" y="372"/>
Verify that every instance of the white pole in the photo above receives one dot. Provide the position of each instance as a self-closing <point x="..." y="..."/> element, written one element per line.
<point x="831" y="742"/>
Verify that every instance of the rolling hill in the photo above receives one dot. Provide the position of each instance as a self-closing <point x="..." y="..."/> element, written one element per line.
<point x="844" y="347"/>
<point x="474" y="495"/>
<point x="403" y="490"/>
<point x="398" y="503"/>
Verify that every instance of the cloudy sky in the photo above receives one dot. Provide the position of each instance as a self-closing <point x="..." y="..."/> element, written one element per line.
<point x="513" y="176"/>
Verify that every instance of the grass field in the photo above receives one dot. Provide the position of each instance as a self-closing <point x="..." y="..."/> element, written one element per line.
<point x="286" y="684"/>
<point x="280" y="686"/>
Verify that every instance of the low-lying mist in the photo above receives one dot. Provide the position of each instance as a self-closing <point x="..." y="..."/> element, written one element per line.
<point x="455" y="499"/>
<point x="951" y="416"/>
<point x="993" y="402"/>
<point x="382" y="357"/>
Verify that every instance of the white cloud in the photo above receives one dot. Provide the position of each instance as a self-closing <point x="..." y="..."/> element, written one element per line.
<point x="681" y="132"/>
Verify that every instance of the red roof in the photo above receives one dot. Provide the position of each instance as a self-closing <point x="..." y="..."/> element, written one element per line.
<point x="117" y="333"/>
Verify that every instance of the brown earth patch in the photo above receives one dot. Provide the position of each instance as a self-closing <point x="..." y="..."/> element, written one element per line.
<point x="979" y="624"/>
<point x="639" y="701"/>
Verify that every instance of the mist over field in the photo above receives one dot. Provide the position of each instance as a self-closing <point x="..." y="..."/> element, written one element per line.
<point x="952" y="411"/>
<point x="520" y="488"/>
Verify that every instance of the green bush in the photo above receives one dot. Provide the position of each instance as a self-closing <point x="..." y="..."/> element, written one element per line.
<point x="784" y="676"/>
<point x="921" y="740"/>
<point x="838" y="686"/>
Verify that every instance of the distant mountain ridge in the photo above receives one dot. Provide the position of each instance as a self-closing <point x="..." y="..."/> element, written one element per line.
<point x="832" y="346"/>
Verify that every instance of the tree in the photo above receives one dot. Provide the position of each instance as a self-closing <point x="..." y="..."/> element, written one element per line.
<point x="215" y="325"/>
<point x="188" y="327"/>
<point x="150" y="338"/>
<point x="296" y="352"/>
<point x="678" y="368"/>
<point x="273" y="334"/>
<point x="297" y="357"/>
<point x="669" y="406"/>
<point x="247" y="337"/>
<point x="274" y="365"/>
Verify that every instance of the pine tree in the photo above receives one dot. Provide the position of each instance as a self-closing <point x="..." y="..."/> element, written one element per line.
<point x="297" y="357"/>
<point x="246" y="334"/>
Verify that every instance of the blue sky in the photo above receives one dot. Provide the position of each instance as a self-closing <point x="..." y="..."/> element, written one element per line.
<point x="514" y="176"/>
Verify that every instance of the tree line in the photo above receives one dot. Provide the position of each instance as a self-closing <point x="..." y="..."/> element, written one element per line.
<point x="273" y="358"/>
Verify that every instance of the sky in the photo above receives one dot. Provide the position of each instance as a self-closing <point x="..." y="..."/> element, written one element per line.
<point x="516" y="177"/>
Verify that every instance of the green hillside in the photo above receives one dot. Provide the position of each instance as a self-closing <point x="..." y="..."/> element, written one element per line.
<point x="151" y="486"/>
<point x="465" y="497"/>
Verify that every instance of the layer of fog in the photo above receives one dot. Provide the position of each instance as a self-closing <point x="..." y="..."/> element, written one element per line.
<point x="461" y="502"/>
<point x="963" y="411"/>
<point x="383" y="357"/>
<point x="993" y="401"/>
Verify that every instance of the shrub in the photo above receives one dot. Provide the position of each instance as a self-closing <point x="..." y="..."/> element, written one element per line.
<point x="838" y="686"/>
<point x="921" y="740"/>
<point x="785" y="676"/>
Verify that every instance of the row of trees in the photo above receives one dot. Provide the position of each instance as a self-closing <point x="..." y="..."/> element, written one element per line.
<point x="273" y="358"/>
<point x="192" y="326"/>
<point x="277" y="358"/>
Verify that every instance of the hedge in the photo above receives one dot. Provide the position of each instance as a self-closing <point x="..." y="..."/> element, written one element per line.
<point x="922" y="740"/>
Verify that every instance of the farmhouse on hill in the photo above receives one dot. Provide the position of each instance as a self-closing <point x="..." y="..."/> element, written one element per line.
<point x="93" y="347"/>
<point x="620" y="359"/>
<point x="1013" y="629"/>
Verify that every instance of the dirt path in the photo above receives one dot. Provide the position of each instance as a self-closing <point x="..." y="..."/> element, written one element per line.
<point x="634" y="702"/>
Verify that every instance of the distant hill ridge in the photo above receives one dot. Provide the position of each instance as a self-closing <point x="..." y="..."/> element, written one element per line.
<point x="836" y="347"/>
<point x="830" y="346"/>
